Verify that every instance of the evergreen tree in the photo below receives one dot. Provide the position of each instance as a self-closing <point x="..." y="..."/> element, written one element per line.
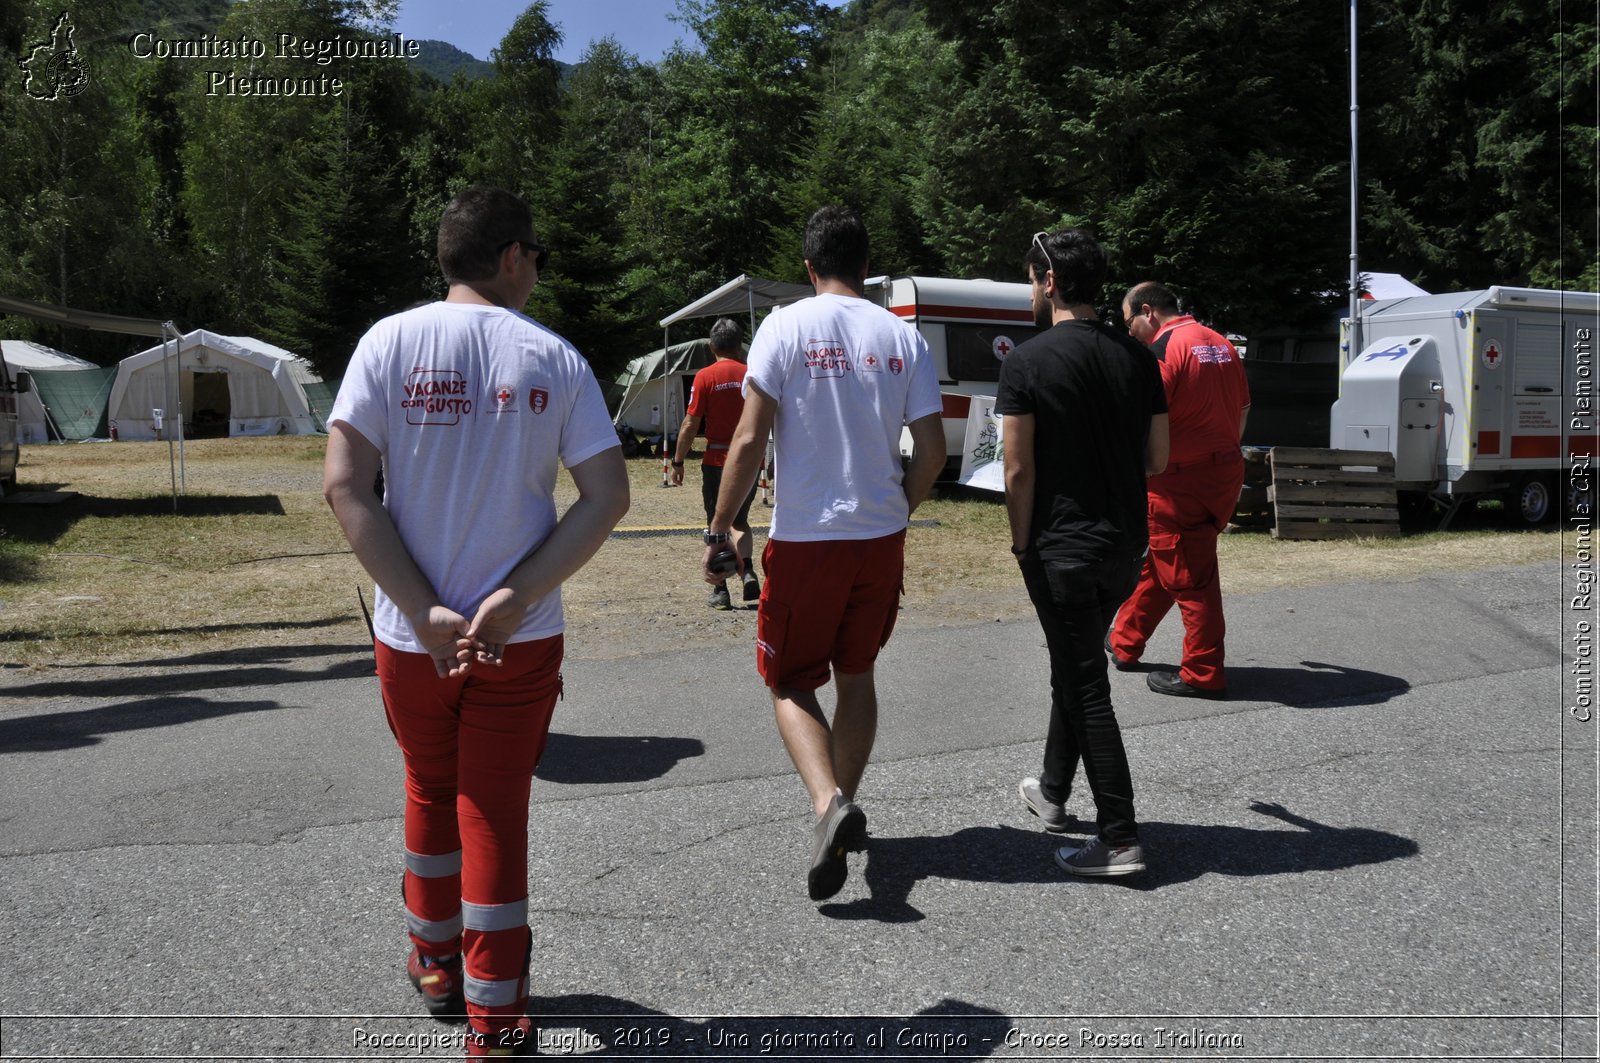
<point x="1478" y="142"/>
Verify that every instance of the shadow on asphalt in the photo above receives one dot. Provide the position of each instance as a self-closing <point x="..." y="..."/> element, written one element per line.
<point x="1175" y="853"/>
<point x="1313" y="685"/>
<point x="615" y="1028"/>
<point x="225" y="676"/>
<point x="574" y="759"/>
<point x="50" y="732"/>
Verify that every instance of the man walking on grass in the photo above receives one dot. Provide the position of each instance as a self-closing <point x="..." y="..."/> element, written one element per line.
<point x="835" y="377"/>
<point x="716" y="400"/>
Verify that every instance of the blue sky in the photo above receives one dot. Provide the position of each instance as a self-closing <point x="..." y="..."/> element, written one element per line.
<point x="643" y="27"/>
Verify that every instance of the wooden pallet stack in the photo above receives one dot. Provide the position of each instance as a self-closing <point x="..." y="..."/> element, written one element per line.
<point x="1333" y="494"/>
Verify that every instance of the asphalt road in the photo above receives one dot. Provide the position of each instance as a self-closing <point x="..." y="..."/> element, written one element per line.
<point x="1383" y="846"/>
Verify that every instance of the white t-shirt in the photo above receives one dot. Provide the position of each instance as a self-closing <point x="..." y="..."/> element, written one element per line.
<point x="847" y="375"/>
<point x="472" y="406"/>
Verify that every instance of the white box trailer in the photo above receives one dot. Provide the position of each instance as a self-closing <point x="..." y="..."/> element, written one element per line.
<point x="970" y="326"/>
<point x="1476" y="393"/>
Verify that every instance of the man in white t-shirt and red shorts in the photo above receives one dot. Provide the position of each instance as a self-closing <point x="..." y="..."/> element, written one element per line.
<point x="469" y="407"/>
<point x="833" y="378"/>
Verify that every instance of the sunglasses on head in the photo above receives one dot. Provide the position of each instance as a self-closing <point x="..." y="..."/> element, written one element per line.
<point x="1038" y="239"/>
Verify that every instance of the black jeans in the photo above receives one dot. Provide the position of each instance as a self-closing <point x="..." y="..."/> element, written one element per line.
<point x="1076" y="602"/>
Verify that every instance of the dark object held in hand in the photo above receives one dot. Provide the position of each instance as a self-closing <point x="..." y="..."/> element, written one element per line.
<point x="724" y="563"/>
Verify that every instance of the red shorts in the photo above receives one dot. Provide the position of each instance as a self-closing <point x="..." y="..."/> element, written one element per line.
<point x="826" y="604"/>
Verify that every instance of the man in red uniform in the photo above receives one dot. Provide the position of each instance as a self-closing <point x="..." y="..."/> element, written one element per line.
<point x="716" y="400"/>
<point x="1207" y="403"/>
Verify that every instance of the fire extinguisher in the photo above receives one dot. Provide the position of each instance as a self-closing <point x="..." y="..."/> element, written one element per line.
<point x="113" y="431"/>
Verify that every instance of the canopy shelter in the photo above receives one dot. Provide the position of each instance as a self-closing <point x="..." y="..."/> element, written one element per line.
<point x="742" y="295"/>
<point x="68" y="317"/>
<point x="71" y="317"/>
<point x="68" y="397"/>
<point x="225" y="385"/>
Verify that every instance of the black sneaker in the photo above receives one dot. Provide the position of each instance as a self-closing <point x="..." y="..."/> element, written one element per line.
<point x="752" y="586"/>
<point x="1169" y="683"/>
<point x="841" y="829"/>
<point x="1117" y="662"/>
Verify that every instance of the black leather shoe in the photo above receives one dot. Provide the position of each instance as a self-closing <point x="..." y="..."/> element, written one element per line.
<point x="1169" y="683"/>
<point x="1117" y="662"/>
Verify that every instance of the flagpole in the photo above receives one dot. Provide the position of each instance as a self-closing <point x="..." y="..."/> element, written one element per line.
<point x="1355" y="189"/>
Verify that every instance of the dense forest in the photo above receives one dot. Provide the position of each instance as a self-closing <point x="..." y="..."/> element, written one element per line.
<point x="1205" y="143"/>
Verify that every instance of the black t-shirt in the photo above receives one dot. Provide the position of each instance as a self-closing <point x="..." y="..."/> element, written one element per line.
<point x="1092" y="391"/>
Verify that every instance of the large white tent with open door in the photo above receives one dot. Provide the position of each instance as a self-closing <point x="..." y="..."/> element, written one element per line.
<point x="218" y="385"/>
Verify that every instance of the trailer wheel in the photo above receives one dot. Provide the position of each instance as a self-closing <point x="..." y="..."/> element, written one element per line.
<point x="1532" y="501"/>
<point x="1580" y="495"/>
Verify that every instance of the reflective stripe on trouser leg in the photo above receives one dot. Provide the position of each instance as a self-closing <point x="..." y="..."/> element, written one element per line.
<point x="506" y="992"/>
<point x="434" y="932"/>
<point x="433" y="885"/>
<point x="503" y="928"/>
<point x="433" y="866"/>
<point x="496" y="1003"/>
<point x="491" y="917"/>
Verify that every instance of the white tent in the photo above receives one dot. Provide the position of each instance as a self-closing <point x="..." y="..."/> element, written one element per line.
<point x="237" y="384"/>
<point x="33" y="422"/>
<point x="1388" y="286"/>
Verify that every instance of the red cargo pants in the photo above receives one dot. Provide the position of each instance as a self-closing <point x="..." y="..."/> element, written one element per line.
<point x="470" y="746"/>
<point x="1190" y="504"/>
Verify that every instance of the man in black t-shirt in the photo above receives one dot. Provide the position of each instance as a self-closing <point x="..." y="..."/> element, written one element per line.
<point x="1085" y="422"/>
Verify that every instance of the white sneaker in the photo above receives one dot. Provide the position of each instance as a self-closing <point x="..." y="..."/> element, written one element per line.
<point x="1053" y="816"/>
<point x="1098" y="859"/>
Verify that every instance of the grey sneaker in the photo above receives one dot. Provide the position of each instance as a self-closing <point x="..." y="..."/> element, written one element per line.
<point x="1097" y="859"/>
<point x="752" y="586"/>
<point x="719" y="597"/>
<point x="841" y="829"/>
<point x="1053" y="816"/>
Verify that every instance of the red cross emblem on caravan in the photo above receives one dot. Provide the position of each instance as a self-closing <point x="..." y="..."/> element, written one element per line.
<point x="1491" y="354"/>
<point x="1002" y="347"/>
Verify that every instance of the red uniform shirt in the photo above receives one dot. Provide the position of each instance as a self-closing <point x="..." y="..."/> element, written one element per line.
<point x="1206" y="389"/>
<point x="717" y="398"/>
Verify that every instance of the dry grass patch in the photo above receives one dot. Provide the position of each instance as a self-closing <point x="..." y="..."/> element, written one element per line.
<point x="253" y="563"/>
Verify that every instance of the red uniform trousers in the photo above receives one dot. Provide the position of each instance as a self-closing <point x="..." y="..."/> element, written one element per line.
<point x="470" y="746"/>
<point x="1190" y="504"/>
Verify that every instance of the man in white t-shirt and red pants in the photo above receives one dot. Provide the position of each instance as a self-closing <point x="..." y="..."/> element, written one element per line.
<point x="469" y="406"/>
<point x="834" y="378"/>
